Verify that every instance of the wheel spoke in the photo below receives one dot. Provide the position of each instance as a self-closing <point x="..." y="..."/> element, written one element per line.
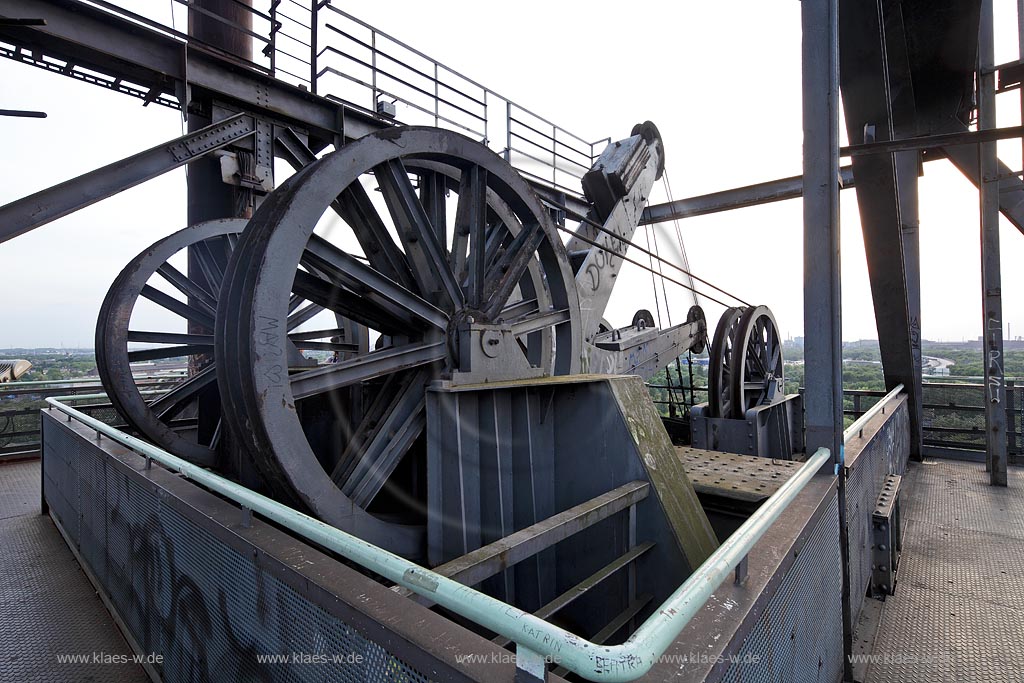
<point x="405" y="420"/>
<point x="427" y="257"/>
<point x="375" y="414"/>
<point x="219" y="429"/>
<point x="167" y="352"/>
<point x="471" y="221"/>
<point x="504" y="276"/>
<point x="304" y="314"/>
<point x="209" y="263"/>
<point x="173" y="305"/>
<point x="356" y="209"/>
<point x="362" y="368"/>
<point x="326" y="346"/>
<point x="368" y="283"/>
<point x="460" y="236"/>
<point x="170" y="338"/>
<point x="540" y="321"/>
<point x="337" y="299"/>
<point x="433" y="191"/>
<point x="293" y="302"/>
<point x="317" y="334"/>
<point x="189" y="288"/>
<point x="520" y="309"/>
<point x="168" y="405"/>
<point x="754" y="359"/>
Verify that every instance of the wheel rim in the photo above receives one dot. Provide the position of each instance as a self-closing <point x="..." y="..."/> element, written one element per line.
<point x="720" y="389"/>
<point x="757" y="358"/>
<point x="411" y="292"/>
<point x="141" y="279"/>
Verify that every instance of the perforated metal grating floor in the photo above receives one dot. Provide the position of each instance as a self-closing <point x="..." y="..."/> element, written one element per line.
<point x="958" y="611"/>
<point x="47" y="605"/>
<point x="19" y="489"/>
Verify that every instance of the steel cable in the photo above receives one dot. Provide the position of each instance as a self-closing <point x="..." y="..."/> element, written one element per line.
<point x="600" y="228"/>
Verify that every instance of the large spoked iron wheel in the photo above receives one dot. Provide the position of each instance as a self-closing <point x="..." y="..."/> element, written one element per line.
<point x="415" y="233"/>
<point x="757" y="354"/>
<point x="721" y="400"/>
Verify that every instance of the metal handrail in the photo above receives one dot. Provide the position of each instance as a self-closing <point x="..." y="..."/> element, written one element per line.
<point x="472" y="91"/>
<point x="858" y="425"/>
<point x="77" y="380"/>
<point x="537" y="641"/>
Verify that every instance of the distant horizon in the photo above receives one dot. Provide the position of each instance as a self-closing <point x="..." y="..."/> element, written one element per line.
<point x="92" y="349"/>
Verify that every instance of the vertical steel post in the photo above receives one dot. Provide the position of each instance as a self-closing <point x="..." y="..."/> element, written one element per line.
<point x="822" y="295"/>
<point x="1014" y="428"/>
<point x="823" y="350"/>
<point x="272" y="46"/>
<point x="373" y="66"/>
<point x="907" y="166"/>
<point x="554" y="162"/>
<point x="508" y="131"/>
<point x="208" y="196"/>
<point x="992" y="298"/>
<point x="314" y="16"/>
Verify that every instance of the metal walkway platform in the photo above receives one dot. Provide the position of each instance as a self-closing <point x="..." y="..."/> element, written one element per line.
<point x="958" y="611"/>
<point x="48" y="608"/>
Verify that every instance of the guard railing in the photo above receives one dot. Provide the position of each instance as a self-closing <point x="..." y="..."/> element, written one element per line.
<point x="538" y="642"/>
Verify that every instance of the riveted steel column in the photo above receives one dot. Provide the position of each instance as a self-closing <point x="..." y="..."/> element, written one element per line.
<point x="823" y="345"/>
<point x="992" y="298"/>
<point x="208" y="196"/>
<point x="822" y="294"/>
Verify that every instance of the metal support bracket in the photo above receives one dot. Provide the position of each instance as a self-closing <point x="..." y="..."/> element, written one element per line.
<point x="887" y="539"/>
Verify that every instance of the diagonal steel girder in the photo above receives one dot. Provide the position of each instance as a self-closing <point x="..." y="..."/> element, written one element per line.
<point x="875" y="83"/>
<point x="47" y="205"/>
<point x="1011" y="187"/>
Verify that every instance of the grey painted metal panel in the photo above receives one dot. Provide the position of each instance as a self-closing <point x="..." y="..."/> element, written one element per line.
<point x="193" y="580"/>
<point x="565" y="442"/>
<point x="882" y="448"/>
<point x="795" y="566"/>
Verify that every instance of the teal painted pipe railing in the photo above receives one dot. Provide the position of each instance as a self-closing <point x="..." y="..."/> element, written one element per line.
<point x="537" y="640"/>
<point x="858" y="425"/>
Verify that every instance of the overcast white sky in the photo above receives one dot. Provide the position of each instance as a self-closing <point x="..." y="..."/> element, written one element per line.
<point x="722" y="84"/>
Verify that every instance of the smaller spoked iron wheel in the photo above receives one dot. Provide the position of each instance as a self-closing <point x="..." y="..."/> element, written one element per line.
<point x="156" y="310"/>
<point x="757" y="377"/>
<point x="161" y="308"/>
<point x="696" y="315"/>
<point x="720" y="368"/>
